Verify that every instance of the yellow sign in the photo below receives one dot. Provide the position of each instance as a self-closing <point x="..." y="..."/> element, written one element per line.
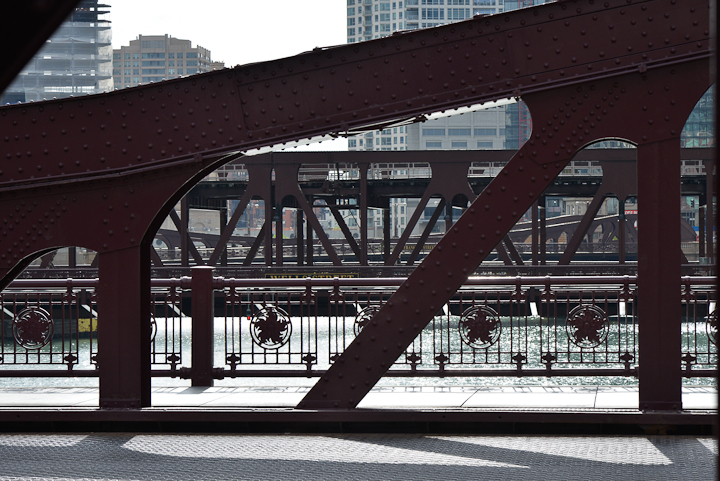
<point x="314" y="275"/>
<point x="84" y="325"/>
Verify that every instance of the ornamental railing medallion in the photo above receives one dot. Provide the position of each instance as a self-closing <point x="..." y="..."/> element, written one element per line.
<point x="480" y="327"/>
<point x="363" y="317"/>
<point x="270" y="327"/>
<point x="33" y="328"/>
<point x="587" y="326"/>
<point x="712" y="327"/>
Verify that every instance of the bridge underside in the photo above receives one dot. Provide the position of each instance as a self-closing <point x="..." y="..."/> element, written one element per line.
<point x="104" y="171"/>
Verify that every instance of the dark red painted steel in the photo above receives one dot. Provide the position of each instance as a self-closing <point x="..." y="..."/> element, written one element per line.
<point x="566" y="120"/>
<point x="103" y="171"/>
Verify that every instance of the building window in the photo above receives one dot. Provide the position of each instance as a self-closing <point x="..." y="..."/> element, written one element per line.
<point x="459" y="144"/>
<point x="456" y="14"/>
<point x="117" y="56"/>
<point x="136" y="64"/>
<point x="192" y="71"/>
<point x="136" y="71"/>
<point x="351" y="2"/>
<point x="433" y="14"/>
<point x="154" y="55"/>
<point x="153" y="71"/>
<point x="351" y="31"/>
<point x="136" y="79"/>
<point x="384" y="17"/>
<point x="485" y="132"/>
<point x="458" y="2"/>
<point x="433" y="144"/>
<point x="484" y="145"/>
<point x="433" y="132"/>
<point x="191" y="63"/>
<point x="136" y="56"/>
<point x="432" y="2"/>
<point x="179" y="55"/>
<point x="180" y="71"/>
<point x="350" y="22"/>
<point x="171" y="71"/>
<point x="191" y="55"/>
<point x="385" y="141"/>
<point x="153" y="63"/>
<point x="385" y="7"/>
<point x="127" y="71"/>
<point x="459" y="131"/>
<point x="351" y="11"/>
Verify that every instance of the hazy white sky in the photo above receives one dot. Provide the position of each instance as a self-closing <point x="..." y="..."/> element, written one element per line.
<point x="235" y="31"/>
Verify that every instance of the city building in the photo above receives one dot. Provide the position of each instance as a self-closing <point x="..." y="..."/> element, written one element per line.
<point x="482" y="130"/>
<point x="152" y="58"/>
<point x="75" y="60"/>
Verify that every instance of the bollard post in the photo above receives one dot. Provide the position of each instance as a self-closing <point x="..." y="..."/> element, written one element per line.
<point x="203" y="313"/>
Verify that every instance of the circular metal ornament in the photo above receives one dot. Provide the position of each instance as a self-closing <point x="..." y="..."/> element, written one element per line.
<point x="33" y="328"/>
<point x="587" y="326"/>
<point x="363" y="317"/>
<point x="153" y="328"/>
<point x="480" y="327"/>
<point x="270" y="327"/>
<point x="712" y="327"/>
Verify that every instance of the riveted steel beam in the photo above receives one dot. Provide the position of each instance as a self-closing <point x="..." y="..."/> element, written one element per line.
<point x="158" y="129"/>
<point x="103" y="171"/>
<point x="565" y="120"/>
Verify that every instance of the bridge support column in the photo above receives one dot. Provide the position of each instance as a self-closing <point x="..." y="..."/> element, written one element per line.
<point x="203" y="308"/>
<point x="659" y="308"/>
<point x="124" y="328"/>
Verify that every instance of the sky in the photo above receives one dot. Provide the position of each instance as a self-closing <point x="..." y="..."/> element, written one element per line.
<point x="236" y="31"/>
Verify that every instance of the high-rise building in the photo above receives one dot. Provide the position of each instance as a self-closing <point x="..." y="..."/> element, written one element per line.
<point x="485" y="129"/>
<point x="152" y="58"/>
<point x="75" y="60"/>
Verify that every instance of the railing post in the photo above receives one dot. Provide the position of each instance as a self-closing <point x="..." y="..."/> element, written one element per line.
<point x="203" y="313"/>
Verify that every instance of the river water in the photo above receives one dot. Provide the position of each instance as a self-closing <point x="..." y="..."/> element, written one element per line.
<point x="324" y="336"/>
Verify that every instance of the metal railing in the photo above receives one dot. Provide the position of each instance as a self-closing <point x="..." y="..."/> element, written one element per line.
<point x="236" y="171"/>
<point x="493" y="326"/>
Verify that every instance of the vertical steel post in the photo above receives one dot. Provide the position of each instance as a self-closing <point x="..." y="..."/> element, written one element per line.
<point x="124" y="328"/>
<point x="279" y="251"/>
<point x="299" y="237"/>
<point x="223" y="226"/>
<point x="309" y="236"/>
<point x="184" y="218"/>
<point x="701" y="227"/>
<point x="543" y="230"/>
<point x="72" y="257"/>
<point x="709" y="212"/>
<point x="268" y="232"/>
<point x="659" y="303"/>
<point x="534" y="213"/>
<point x="386" y="234"/>
<point x="203" y="314"/>
<point x="621" y="231"/>
<point x="363" y="214"/>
